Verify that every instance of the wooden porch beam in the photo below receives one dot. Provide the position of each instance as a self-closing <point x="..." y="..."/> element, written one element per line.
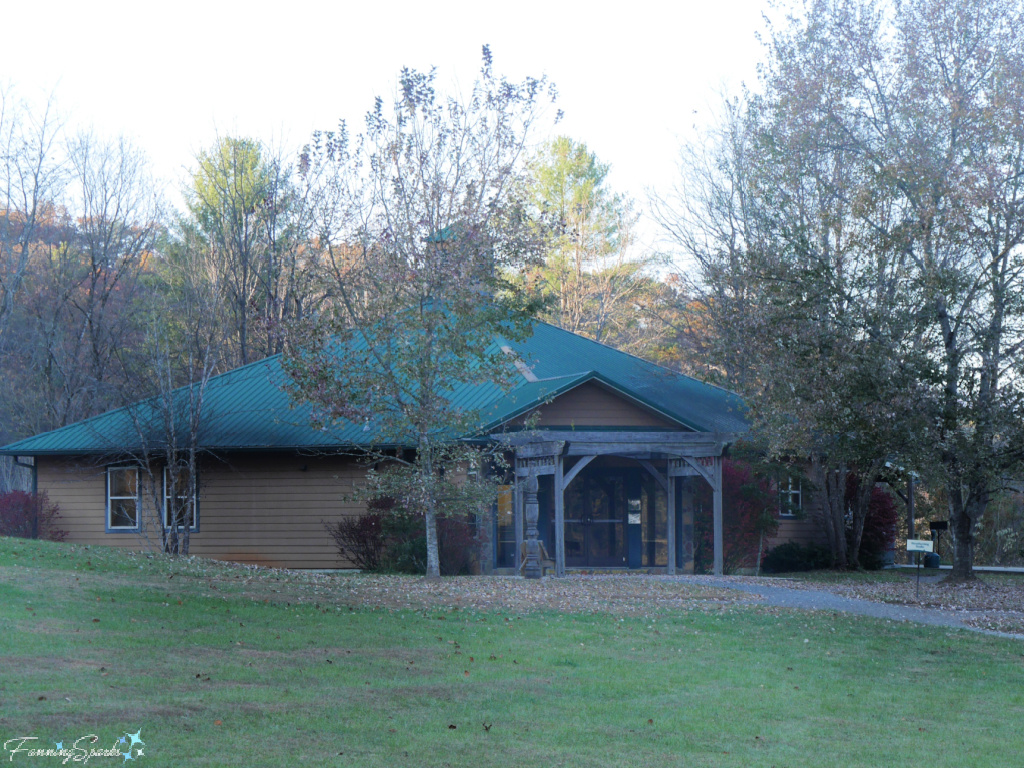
<point x="657" y="475"/>
<point x="576" y="469"/>
<point x="536" y="449"/>
<point x="601" y="436"/>
<point x="580" y="448"/>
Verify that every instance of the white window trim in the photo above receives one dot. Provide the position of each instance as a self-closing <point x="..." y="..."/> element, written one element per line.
<point x="138" y="500"/>
<point x="788" y="489"/>
<point x="195" y="505"/>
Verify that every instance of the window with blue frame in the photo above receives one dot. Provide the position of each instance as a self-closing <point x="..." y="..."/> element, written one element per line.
<point x="123" y="498"/>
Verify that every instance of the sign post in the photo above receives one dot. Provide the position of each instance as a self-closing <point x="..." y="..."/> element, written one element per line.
<point x="918" y="546"/>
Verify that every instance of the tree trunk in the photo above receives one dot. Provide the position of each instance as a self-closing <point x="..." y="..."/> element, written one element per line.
<point x="427" y="481"/>
<point x="860" y="511"/>
<point x="433" y="561"/>
<point x="829" y="488"/>
<point x="963" y="515"/>
<point x="172" y="542"/>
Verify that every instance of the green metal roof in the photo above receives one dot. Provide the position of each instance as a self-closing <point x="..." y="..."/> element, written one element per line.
<point x="249" y="409"/>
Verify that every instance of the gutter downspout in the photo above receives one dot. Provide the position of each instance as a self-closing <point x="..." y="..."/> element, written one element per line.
<point x="35" y="472"/>
<point x="35" y="489"/>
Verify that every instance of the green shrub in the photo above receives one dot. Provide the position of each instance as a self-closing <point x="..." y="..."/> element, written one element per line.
<point x="405" y="543"/>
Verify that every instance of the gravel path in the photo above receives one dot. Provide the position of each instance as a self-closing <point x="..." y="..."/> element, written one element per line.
<point x="821" y="600"/>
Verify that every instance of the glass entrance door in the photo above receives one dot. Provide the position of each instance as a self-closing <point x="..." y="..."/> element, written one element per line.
<point x="595" y="520"/>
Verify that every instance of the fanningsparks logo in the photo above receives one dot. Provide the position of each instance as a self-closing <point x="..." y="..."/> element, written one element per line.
<point x="82" y="750"/>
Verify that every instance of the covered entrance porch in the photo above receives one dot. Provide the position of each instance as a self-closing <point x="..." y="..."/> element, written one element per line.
<point x="599" y="499"/>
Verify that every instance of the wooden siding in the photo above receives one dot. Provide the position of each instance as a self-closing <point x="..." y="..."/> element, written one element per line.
<point x="591" y="405"/>
<point x="80" y="491"/>
<point x="265" y="509"/>
<point x="801" y="529"/>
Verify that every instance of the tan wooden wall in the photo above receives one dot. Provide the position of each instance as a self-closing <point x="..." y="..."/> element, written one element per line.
<point x="590" y="405"/>
<point x="801" y="529"/>
<point x="253" y="508"/>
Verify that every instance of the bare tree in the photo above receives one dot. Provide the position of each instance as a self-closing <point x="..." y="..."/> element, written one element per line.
<point x="85" y="295"/>
<point x="30" y="179"/>
<point x="183" y="348"/>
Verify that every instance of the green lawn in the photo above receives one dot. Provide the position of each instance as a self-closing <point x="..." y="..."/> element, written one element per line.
<point x="228" y="666"/>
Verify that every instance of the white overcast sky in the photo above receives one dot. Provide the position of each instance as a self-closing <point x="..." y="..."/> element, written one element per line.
<point x="633" y="77"/>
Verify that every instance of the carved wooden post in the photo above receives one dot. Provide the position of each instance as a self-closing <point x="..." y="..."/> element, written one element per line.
<point x="559" y="517"/>
<point x="532" y="569"/>
<point x="518" y="518"/>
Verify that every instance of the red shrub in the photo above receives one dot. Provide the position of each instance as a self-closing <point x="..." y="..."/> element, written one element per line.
<point x="388" y="540"/>
<point x="29" y="516"/>
<point x="879" y="524"/>
<point x="749" y="508"/>
<point x="359" y="540"/>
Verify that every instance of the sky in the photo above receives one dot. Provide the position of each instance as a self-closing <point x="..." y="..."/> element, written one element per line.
<point x="634" y="78"/>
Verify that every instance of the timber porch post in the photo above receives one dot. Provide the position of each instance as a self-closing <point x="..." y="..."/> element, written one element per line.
<point x="518" y="489"/>
<point x="716" y="486"/>
<point x="688" y="455"/>
<point x="559" y="516"/>
<point x="671" y="569"/>
<point x="531" y="570"/>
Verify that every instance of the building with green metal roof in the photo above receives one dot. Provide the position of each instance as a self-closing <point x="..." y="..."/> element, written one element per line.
<point x="613" y="443"/>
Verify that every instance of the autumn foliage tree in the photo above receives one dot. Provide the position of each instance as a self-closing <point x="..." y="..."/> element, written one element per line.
<point x="248" y="214"/>
<point x="419" y="223"/>
<point x="858" y="225"/>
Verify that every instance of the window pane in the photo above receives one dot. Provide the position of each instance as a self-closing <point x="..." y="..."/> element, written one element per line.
<point x="176" y="509"/>
<point x="176" y="483"/>
<point x="123" y="513"/>
<point x="176" y="498"/>
<point x="654" y="502"/>
<point x="124" y="482"/>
